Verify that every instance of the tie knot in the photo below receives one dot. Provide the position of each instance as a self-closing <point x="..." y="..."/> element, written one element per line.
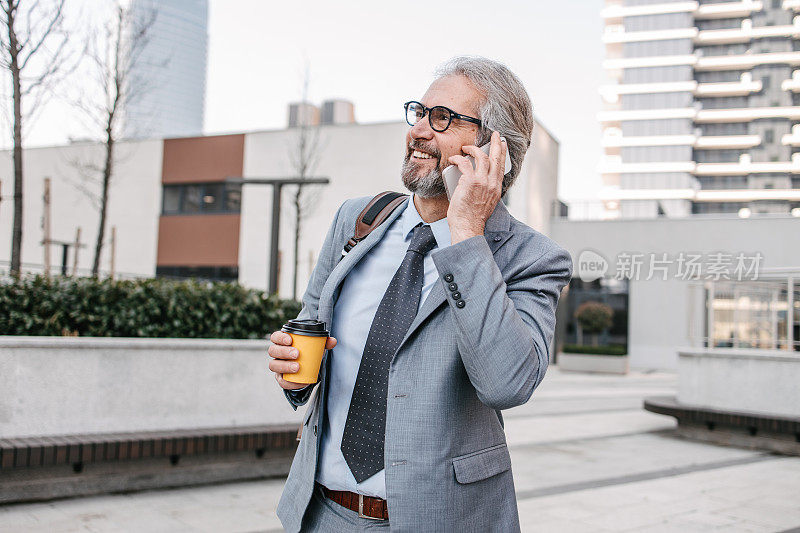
<point x="423" y="240"/>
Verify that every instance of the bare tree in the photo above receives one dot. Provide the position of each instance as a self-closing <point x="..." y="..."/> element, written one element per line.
<point x="34" y="52"/>
<point x="304" y="157"/>
<point x="112" y="56"/>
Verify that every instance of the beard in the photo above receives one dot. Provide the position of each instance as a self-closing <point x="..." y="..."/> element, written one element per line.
<point x="428" y="185"/>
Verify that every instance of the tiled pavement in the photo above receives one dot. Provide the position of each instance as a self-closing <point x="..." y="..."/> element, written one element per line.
<point x="586" y="457"/>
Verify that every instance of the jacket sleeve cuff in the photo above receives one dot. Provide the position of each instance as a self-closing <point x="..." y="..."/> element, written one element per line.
<point x="298" y="397"/>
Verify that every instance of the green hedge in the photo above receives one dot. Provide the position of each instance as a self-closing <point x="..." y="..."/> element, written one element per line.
<point x="38" y="305"/>
<point x="614" y="349"/>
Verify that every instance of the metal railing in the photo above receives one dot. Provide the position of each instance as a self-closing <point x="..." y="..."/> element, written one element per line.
<point x="600" y="210"/>
<point x="762" y="314"/>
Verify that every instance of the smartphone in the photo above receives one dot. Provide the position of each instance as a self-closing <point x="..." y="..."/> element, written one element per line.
<point x="452" y="174"/>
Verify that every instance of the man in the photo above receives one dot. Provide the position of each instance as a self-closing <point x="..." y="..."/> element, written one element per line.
<point x="441" y="318"/>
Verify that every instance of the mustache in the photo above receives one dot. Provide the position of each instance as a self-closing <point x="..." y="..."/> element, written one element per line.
<point x="422" y="147"/>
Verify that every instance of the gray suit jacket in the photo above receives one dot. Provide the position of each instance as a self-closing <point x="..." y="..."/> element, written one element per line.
<point x="447" y="466"/>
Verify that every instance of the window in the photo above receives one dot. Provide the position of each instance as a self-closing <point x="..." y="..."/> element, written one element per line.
<point x="233" y="198"/>
<point x="609" y="291"/>
<point x="172" y="200"/>
<point x="718" y="156"/>
<point x="201" y="198"/>
<point x="192" y="199"/>
<point x="769" y="136"/>
<point x="213" y="195"/>
<point x="715" y="76"/>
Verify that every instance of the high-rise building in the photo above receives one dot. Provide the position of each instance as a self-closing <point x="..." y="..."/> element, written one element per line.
<point x="171" y="71"/>
<point x="703" y="112"/>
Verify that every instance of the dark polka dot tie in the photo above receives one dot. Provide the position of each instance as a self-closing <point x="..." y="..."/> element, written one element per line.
<point x="362" y="441"/>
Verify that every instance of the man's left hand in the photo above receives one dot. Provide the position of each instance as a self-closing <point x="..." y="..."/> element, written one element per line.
<point x="478" y="190"/>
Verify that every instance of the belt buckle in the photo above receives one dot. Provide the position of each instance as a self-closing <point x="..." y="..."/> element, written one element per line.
<point x="361" y="509"/>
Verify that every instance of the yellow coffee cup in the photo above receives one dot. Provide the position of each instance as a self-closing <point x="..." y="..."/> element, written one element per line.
<point x="309" y="337"/>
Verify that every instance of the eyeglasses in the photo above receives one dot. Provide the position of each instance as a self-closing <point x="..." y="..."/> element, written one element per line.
<point x="439" y="116"/>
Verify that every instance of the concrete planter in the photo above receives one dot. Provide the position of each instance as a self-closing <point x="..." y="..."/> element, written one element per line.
<point x="77" y="385"/>
<point x="583" y="362"/>
<point x="82" y="415"/>
<point x="743" y="380"/>
<point x="737" y="397"/>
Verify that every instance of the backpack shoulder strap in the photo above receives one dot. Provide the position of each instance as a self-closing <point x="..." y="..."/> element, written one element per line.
<point x="376" y="211"/>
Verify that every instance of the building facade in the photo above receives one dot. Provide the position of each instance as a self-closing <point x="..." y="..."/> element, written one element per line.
<point x="176" y="215"/>
<point x="170" y="73"/>
<point x="675" y="283"/>
<point x="702" y="114"/>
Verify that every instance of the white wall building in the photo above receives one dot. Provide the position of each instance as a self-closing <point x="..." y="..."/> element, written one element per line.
<point x="174" y="214"/>
<point x="665" y="310"/>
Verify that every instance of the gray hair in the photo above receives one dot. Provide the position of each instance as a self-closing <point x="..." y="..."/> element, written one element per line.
<point x="506" y="106"/>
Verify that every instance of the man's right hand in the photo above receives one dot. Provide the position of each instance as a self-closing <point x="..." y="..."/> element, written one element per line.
<point x="283" y="358"/>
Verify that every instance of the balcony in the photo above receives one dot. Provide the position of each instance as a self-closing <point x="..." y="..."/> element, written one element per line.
<point x="793" y="83"/>
<point x="793" y="138"/>
<point x="610" y="194"/>
<point x="611" y="164"/>
<point x="747" y="33"/>
<point x="747" y="195"/>
<point x="616" y="33"/>
<point x="705" y="116"/>
<point x="727" y="10"/>
<point x="708" y="142"/>
<point x="745" y="86"/>
<point x="611" y="117"/>
<point x="791" y="4"/>
<point x="700" y="63"/>
<point x="610" y="93"/>
<point x="746" y="61"/>
<point x="742" y="87"/>
<point x="615" y="12"/>
<point x="613" y="138"/>
<point x="652" y="61"/>
<point x="745" y="166"/>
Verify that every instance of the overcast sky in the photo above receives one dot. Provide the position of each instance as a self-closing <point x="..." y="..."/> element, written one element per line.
<point x="381" y="54"/>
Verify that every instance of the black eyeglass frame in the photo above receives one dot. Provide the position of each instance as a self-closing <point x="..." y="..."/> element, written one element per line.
<point x="452" y="114"/>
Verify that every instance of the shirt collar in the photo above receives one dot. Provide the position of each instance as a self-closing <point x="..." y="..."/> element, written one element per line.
<point x="411" y="217"/>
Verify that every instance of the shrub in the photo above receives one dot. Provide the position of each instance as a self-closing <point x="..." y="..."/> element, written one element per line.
<point x="40" y="305"/>
<point x="594" y="317"/>
<point x="613" y="349"/>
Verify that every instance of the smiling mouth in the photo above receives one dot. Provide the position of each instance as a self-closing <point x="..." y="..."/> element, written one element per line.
<point x="421" y="155"/>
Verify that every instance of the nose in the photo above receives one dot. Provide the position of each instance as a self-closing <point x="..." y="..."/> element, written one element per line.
<point x="422" y="129"/>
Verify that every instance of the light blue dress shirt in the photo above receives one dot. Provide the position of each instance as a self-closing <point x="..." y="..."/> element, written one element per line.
<point x="362" y="292"/>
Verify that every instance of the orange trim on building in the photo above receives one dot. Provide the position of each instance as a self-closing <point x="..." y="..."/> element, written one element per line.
<point x="198" y="240"/>
<point x="199" y="159"/>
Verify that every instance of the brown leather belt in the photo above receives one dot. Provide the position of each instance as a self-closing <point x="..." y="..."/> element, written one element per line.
<point x="365" y="506"/>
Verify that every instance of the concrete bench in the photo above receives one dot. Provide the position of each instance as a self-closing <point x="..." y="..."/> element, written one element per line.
<point x="37" y="468"/>
<point x="735" y="428"/>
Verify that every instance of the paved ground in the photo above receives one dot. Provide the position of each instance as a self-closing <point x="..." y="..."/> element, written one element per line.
<point x="586" y="457"/>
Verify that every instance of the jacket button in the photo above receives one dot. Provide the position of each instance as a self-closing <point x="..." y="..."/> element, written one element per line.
<point x="453" y="287"/>
<point x="497" y="238"/>
<point x="456" y="295"/>
<point x="460" y="304"/>
<point x="448" y="278"/>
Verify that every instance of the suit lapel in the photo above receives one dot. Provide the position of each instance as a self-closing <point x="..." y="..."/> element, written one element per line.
<point x="327" y="297"/>
<point x="496" y="234"/>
